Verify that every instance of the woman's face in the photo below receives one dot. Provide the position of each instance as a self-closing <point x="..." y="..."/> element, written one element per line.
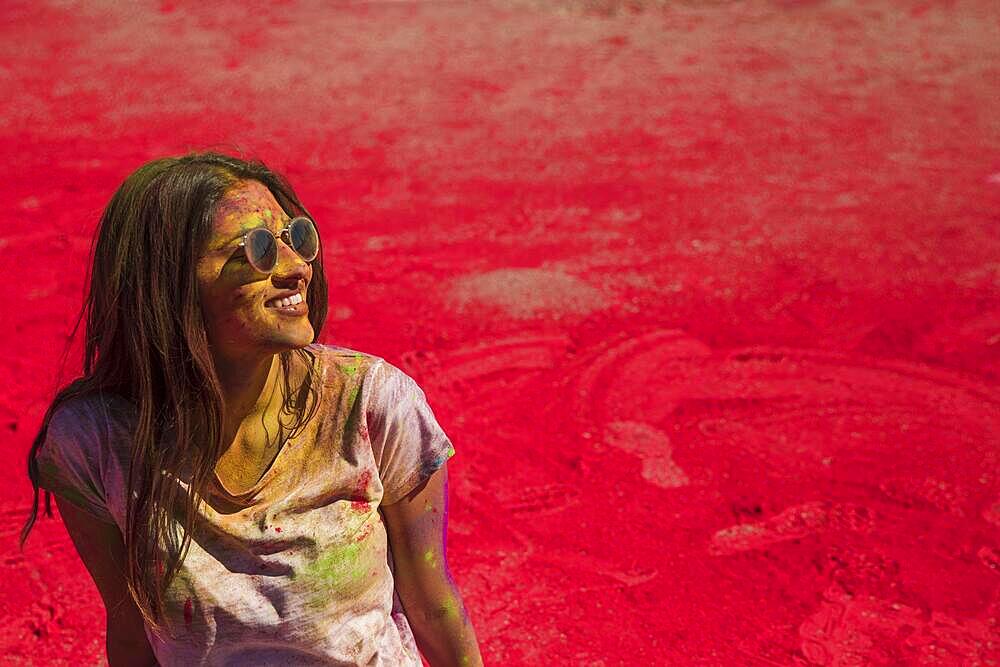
<point x="239" y="319"/>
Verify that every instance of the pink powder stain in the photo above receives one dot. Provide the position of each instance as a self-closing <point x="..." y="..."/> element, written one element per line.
<point x="277" y="529"/>
<point x="359" y="491"/>
<point x="364" y="533"/>
<point x="188" y="612"/>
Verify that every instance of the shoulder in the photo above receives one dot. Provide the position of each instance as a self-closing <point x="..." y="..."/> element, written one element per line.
<point x="347" y="363"/>
<point x="337" y="352"/>
<point x="93" y="427"/>
<point x="80" y="429"/>
<point x="376" y="378"/>
<point x="92" y="410"/>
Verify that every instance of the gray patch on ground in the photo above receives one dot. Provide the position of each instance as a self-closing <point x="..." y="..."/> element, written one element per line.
<point x="525" y="293"/>
<point x="653" y="448"/>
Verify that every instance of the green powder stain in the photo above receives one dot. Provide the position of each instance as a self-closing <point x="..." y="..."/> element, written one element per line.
<point x="444" y="457"/>
<point x="252" y="221"/>
<point x="431" y="558"/>
<point x="339" y="569"/>
<point x="336" y="564"/>
<point x="351" y="424"/>
<point x="354" y="365"/>
<point x="449" y="607"/>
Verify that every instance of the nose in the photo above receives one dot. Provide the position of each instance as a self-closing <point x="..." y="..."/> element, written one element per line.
<point x="290" y="267"/>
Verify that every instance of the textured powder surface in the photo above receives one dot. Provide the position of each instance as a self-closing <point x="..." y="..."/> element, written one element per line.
<point x="523" y="293"/>
<point x="706" y="293"/>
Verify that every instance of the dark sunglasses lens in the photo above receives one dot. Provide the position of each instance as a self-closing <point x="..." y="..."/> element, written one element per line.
<point x="304" y="238"/>
<point x="262" y="251"/>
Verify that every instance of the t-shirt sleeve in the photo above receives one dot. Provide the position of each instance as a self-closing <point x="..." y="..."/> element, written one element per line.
<point x="69" y="460"/>
<point x="407" y="441"/>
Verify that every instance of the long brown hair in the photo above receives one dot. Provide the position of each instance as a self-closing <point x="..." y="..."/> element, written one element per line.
<point x="146" y="342"/>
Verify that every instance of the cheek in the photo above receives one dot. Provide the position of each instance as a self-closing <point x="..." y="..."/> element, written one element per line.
<point x="226" y="304"/>
<point x="236" y="317"/>
<point x="239" y="306"/>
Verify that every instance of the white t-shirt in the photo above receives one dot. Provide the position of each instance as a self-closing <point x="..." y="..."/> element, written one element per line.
<point x="300" y="573"/>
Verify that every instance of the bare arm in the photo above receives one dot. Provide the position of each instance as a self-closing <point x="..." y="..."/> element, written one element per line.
<point x="416" y="526"/>
<point x="102" y="551"/>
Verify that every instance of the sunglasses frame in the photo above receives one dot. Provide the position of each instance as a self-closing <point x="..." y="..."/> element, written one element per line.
<point x="277" y="237"/>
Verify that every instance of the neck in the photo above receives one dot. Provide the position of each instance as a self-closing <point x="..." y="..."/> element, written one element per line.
<point x="248" y="385"/>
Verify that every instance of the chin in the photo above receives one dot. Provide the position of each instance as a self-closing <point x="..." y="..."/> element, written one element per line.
<point x="293" y="340"/>
<point x="299" y="343"/>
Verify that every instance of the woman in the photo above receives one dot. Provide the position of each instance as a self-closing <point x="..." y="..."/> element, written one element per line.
<point x="240" y="494"/>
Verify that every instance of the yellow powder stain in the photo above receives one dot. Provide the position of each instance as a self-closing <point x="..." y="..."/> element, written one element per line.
<point x="449" y="607"/>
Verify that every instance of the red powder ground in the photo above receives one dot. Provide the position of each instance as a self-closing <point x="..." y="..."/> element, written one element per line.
<point x="706" y="296"/>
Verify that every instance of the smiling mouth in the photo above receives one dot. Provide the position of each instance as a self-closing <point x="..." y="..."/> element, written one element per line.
<point x="285" y="308"/>
<point x="295" y="299"/>
<point x="293" y="310"/>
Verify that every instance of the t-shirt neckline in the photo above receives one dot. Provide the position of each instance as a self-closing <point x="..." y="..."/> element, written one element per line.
<point x="244" y="497"/>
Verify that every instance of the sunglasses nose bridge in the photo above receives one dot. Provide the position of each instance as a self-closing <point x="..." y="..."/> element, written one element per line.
<point x="293" y="261"/>
<point x="275" y="250"/>
<point x="285" y="248"/>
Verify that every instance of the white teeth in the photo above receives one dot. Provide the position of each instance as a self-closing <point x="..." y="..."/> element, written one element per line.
<point x="286" y="302"/>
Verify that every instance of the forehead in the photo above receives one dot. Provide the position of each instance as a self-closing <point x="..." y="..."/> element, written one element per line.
<point x="245" y="205"/>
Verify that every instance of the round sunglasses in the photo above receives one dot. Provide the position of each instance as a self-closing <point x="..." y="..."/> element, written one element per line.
<point x="261" y="244"/>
